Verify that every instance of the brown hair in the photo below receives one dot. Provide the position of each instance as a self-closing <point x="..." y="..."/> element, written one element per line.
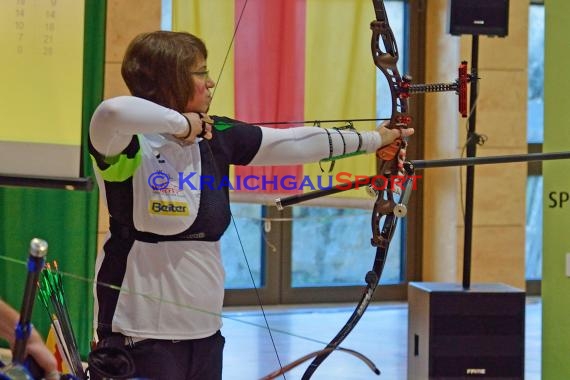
<point x="157" y="67"/>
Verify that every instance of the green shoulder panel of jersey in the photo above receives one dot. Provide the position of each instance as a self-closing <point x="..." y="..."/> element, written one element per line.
<point x="120" y="167"/>
<point x="222" y="125"/>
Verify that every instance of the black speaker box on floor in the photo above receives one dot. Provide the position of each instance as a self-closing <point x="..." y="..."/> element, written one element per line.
<point x="479" y="17"/>
<point x="465" y="334"/>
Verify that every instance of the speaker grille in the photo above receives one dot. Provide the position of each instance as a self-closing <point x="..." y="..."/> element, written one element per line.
<point x="479" y="17"/>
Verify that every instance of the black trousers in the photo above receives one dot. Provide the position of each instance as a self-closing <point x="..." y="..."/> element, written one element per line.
<point x="197" y="359"/>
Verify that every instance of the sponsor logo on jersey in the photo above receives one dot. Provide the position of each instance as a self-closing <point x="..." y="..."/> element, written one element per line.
<point x="168" y="208"/>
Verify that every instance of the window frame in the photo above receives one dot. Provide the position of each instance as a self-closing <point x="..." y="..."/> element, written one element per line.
<point x="278" y="264"/>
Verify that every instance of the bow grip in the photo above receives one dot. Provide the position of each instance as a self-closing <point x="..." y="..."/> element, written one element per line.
<point x="387" y="153"/>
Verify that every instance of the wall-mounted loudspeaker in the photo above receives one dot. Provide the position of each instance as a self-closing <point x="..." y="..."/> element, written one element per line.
<point x="479" y="17"/>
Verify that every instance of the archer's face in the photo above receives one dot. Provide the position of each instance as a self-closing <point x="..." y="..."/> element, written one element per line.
<point x="200" y="102"/>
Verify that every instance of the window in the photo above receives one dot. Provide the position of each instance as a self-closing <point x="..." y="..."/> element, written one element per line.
<point x="535" y="135"/>
<point x="535" y="126"/>
<point x="242" y="247"/>
<point x="331" y="247"/>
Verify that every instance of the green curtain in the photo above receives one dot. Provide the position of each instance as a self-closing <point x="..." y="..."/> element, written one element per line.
<point x="67" y="220"/>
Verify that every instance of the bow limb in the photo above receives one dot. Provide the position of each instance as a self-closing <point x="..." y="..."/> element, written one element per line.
<point x="313" y="354"/>
<point x="385" y="55"/>
<point x="372" y="279"/>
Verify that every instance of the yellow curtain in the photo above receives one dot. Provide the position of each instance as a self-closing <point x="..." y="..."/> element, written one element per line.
<point x="213" y="22"/>
<point x="340" y="75"/>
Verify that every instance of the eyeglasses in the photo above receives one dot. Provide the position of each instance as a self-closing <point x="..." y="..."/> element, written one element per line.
<point x="201" y="74"/>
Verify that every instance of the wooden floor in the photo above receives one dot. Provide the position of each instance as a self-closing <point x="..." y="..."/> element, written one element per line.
<point x="381" y="335"/>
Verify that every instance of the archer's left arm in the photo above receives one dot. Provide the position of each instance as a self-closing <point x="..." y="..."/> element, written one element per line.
<point x="310" y="144"/>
